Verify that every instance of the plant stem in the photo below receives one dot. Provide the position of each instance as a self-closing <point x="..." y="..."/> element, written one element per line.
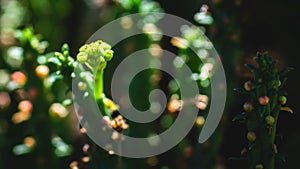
<point x="99" y="85"/>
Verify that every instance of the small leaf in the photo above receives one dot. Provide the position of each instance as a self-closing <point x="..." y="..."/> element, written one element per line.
<point x="55" y="61"/>
<point x="287" y="109"/>
<point x="62" y="149"/>
<point x="241" y="90"/>
<point x="203" y="18"/>
<point x="257" y="85"/>
<point x="282" y="93"/>
<point x="48" y="82"/>
<point x="241" y="116"/>
<point x="237" y="158"/>
<point x="67" y="102"/>
<point x="283" y="81"/>
<point x="285" y="71"/>
<point x="250" y="66"/>
<point x="242" y="122"/>
<point x="261" y="111"/>
<point x="280" y="156"/>
<point x="65" y="47"/>
<point x="251" y="146"/>
<point x="68" y="90"/>
<point x="21" y="149"/>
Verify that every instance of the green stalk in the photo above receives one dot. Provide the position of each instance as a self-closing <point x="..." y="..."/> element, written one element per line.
<point x="96" y="60"/>
<point x="99" y="85"/>
<point x="99" y="92"/>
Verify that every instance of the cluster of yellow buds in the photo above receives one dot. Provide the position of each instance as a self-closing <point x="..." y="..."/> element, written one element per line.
<point x="95" y="55"/>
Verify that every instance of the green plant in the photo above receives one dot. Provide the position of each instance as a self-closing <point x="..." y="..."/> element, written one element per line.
<point x="267" y="99"/>
<point x="32" y="93"/>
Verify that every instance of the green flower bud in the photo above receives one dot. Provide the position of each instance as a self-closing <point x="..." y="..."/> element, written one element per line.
<point x="66" y="53"/>
<point x="282" y="100"/>
<point x="276" y="84"/>
<point x="248" y="85"/>
<point x="65" y="47"/>
<point x="108" y="54"/>
<point x="82" y="57"/>
<point x="251" y="136"/>
<point x="83" y="48"/>
<point x="105" y="46"/>
<point x="259" y="166"/>
<point x="270" y="120"/>
<point x="102" y="59"/>
<point x="248" y="107"/>
<point x="260" y="80"/>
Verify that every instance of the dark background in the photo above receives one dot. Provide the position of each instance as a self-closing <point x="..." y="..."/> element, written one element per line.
<point x="265" y="25"/>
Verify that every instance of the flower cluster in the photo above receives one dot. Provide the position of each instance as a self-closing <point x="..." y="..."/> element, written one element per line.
<point x="26" y="93"/>
<point x="95" y="54"/>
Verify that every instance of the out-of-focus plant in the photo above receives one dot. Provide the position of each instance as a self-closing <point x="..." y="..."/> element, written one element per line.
<point x="39" y="101"/>
<point x="29" y="102"/>
<point x="225" y="34"/>
<point x="202" y="65"/>
<point x="37" y="13"/>
<point x="12" y="16"/>
<point x="261" y="112"/>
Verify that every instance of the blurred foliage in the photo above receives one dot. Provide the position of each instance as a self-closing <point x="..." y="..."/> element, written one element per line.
<point x="38" y="127"/>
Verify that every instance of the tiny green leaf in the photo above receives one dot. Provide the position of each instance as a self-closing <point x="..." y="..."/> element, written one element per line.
<point x="250" y="66"/>
<point x="55" y="61"/>
<point x="285" y="71"/>
<point x="21" y="149"/>
<point x="67" y="102"/>
<point x="241" y="116"/>
<point x="280" y="156"/>
<point x="237" y="158"/>
<point x="283" y="82"/>
<point x="241" y="90"/>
